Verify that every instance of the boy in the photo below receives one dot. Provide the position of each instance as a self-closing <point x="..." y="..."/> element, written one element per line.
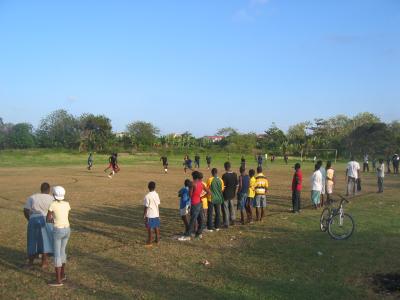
<point x="380" y="172"/>
<point x="165" y="163"/>
<point x="197" y="161"/>
<point x="251" y="194"/>
<point x="208" y="159"/>
<point x="261" y="187"/>
<point x="151" y="214"/>
<point x="187" y="164"/>
<point x="231" y="182"/>
<point x="216" y="199"/>
<point x="113" y="159"/>
<point x="297" y="185"/>
<point x="184" y="206"/>
<point x="90" y="161"/>
<point x="243" y="189"/>
<point x="204" y="199"/>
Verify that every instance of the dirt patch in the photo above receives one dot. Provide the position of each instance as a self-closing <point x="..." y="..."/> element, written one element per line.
<point x="387" y="284"/>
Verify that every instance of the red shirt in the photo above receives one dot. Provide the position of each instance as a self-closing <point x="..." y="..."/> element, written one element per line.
<point x="197" y="189"/>
<point x="297" y="182"/>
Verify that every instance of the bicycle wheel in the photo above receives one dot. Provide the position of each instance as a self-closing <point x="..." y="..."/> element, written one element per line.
<point x="324" y="220"/>
<point x="341" y="228"/>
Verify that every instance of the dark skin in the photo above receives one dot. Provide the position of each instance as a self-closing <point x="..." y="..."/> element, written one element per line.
<point x="149" y="232"/>
<point x="45" y="263"/>
<point x="205" y="188"/>
<point x="239" y="189"/>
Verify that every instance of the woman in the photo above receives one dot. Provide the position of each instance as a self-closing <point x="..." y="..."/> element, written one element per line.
<point x="330" y="181"/>
<point x="316" y="183"/>
<point x="58" y="214"/>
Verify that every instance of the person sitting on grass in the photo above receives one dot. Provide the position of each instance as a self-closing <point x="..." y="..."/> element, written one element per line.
<point x="39" y="233"/>
<point x="251" y="194"/>
<point x="216" y="199"/>
<point x="261" y="188"/>
<point x="151" y="214"/>
<point x="196" y="214"/>
<point x="243" y="189"/>
<point x="58" y="215"/>
<point x="184" y="206"/>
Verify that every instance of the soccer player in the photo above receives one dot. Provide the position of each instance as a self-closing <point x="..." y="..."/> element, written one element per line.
<point x="260" y="160"/>
<point x="90" y="161"/>
<point x="151" y="214"/>
<point x="165" y="163"/>
<point x="187" y="163"/>
<point x="208" y="159"/>
<point x="113" y="160"/>
<point x="197" y="161"/>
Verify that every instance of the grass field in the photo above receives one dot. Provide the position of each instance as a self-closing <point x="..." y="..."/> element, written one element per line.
<point x="277" y="259"/>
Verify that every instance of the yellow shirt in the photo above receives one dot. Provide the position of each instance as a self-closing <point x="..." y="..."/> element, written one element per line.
<point x="60" y="211"/>
<point x="209" y="182"/>
<point x="261" y="184"/>
<point x="252" y="187"/>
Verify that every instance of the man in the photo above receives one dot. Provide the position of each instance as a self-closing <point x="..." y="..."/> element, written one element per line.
<point x="230" y="180"/>
<point x="352" y="174"/>
<point x="261" y="187"/>
<point x="90" y="161"/>
<point x="260" y="160"/>
<point x="323" y="190"/>
<point x="297" y="186"/>
<point x="380" y="172"/>
<point x="39" y="233"/>
<point x="197" y="161"/>
<point x="366" y="163"/>
<point x="165" y="163"/>
<point x="208" y="159"/>
<point x="396" y="162"/>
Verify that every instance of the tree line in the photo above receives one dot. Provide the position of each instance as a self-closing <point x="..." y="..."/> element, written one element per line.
<point x="363" y="133"/>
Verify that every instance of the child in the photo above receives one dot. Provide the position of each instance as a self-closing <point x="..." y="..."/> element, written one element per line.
<point x="243" y="189"/>
<point x="185" y="203"/>
<point x="251" y="195"/>
<point x="261" y="188"/>
<point x="90" y="161"/>
<point x="216" y="199"/>
<point x="380" y="171"/>
<point x="204" y="199"/>
<point x="151" y="214"/>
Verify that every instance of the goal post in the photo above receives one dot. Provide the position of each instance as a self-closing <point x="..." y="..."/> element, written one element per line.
<point x="314" y="153"/>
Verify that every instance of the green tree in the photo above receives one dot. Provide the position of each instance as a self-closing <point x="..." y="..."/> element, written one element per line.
<point x="21" y="136"/>
<point x="273" y="140"/>
<point x="95" y="132"/>
<point x="143" y="134"/>
<point x="59" y="129"/>
<point x="227" y="131"/>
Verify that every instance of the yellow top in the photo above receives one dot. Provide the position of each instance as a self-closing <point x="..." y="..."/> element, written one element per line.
<point x="252" y="187"/>
<point x="261" y="185"/>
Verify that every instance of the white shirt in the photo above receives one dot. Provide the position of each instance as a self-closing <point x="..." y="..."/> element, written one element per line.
<point x="152" y="201"/>
<point x="380" y="171"/>
<point x="60" y="211"/>
<point x="316" y="181"/>
<point x="352" y="169"/>
<point x="38" y="204"/>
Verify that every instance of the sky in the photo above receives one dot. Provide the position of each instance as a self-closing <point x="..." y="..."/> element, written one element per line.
<point x="200" y="65"/>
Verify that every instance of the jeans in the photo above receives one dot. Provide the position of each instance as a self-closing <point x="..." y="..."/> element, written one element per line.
<point x="365" y="167"/>
<point x="351" y="186"/>
<point x="217" y="222"/>
<point x="60" y="240"/>
<point x="229" y="212"/>
<point x="380" y="184"/>
<point x="296" y="200"/>
<point x="196" y="214"/>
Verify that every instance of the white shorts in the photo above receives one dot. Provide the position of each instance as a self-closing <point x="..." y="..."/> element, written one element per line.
<point x="184" y="211"/>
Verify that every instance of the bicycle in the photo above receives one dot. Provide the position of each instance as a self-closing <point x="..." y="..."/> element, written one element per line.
<point x="340" y="225"/>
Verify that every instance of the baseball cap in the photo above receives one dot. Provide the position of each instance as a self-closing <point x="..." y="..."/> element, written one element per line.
<point x="58" y="192"/>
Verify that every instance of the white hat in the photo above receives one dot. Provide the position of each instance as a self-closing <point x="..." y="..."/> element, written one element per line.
<point x="58" y="192"/>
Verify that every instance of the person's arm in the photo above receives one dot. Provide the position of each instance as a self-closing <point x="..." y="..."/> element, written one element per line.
<point x="144" y="214"/>
<point x="240" y="184"/>
<point x="50" y="217"/>
<point x="27" y="213"/>
<point x="206" y="189"/>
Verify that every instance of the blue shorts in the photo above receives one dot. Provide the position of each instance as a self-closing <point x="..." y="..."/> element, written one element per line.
<point x="242" y="199"/>
<point x="260" y="201"/>
<point x="153" y="223"/>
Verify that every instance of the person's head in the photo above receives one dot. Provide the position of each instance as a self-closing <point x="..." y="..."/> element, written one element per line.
<point x="317" y="167"/>
<point x="381" y="161"/>
<point x="227" y="166"/>
<point x="252" y="173"/>
<point x="352" y="158"/>
<point x="319" y="163"/>
<point x="201" y="176"/>
<point x="214" y="172"/>
<point x="259" y="169"/>
<point x="116" y="154"/>
<point x="152" y="186"/>
<point x="242" y="170"/>
<point x="195" y="175"/>
<point x="188" y="183"/>
<point x="45" y="188"/>
<point x="58" y="193"/>
<point x="328" y="164"/>
<point x="297" y="166"/>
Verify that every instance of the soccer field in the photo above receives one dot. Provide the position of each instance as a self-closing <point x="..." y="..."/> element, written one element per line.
<point x="284" y="257"/>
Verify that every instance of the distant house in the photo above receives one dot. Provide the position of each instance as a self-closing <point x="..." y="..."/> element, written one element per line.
<point x="120" y="134"/>
<point x="215" y="138"/>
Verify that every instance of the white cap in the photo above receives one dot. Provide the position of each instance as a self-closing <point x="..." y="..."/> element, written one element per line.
<point x="58" y="192"/>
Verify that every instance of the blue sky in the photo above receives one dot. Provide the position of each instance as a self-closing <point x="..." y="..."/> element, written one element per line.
<point x="200" y="65"/>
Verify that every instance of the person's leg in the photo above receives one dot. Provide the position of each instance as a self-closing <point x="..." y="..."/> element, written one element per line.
<point x="157" y="233"/>
<point x="149" y="236"/>
<point x="298" y="200"/>
<point x="210" y="216"/>
<point x="200" y="220"/>
<point x="57" y="238"/>
<point x="194" y="211"/>
<point x="294" y="206"/>
<point x="232" y="211"/>
<point x="185" y="222"/>
<point x="217" y="223"/>
<point x="225" y="212"/>
<point x="63" y="253"/>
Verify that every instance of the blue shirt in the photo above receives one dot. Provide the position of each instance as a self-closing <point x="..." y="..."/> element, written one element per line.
<point x="245" y="184"/>
<point x="185" y="199"/>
